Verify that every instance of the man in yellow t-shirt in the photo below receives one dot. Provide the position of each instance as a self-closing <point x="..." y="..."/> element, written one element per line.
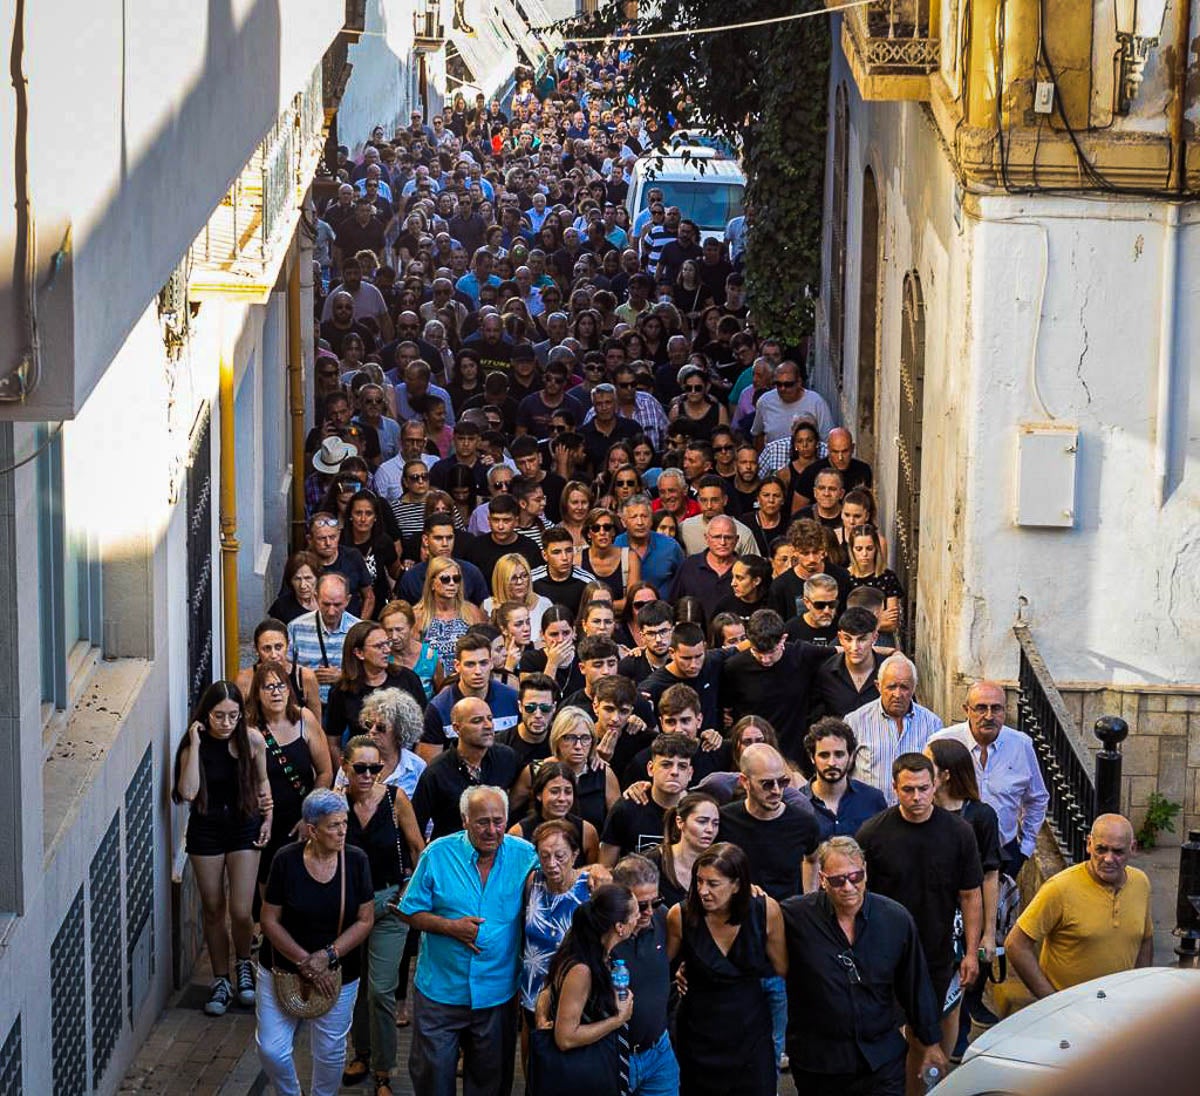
<point x="1092" y="919"/>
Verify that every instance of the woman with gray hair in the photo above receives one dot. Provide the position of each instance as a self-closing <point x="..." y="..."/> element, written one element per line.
<point x="318" y="910"/>
<point x="393" y="720"/>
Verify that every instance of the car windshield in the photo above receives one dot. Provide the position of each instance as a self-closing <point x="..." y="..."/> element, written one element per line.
<point x="710" y="204"/>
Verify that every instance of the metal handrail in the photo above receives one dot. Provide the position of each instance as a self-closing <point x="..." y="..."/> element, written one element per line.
<point x="1065" y="760"/>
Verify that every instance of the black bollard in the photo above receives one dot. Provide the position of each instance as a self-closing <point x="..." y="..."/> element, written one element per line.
<point x="1112" y="730"/>
<point x="1187" y="902"/>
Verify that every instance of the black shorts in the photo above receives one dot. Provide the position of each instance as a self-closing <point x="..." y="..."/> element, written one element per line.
<point x="221" y="832"/>
<point x="941" y="977"/>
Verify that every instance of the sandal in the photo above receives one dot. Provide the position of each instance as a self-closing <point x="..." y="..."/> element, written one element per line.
<point x="383" y="1084"/>
<point x="403" y="1019"/>
<point x="356" y="1071"/>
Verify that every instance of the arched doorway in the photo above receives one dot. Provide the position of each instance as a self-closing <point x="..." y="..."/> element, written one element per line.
<point x="868" y="321"/>
<point x="908" y="475"/>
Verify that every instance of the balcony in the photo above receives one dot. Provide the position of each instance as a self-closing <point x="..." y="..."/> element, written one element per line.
<point x="241" y="249"/>
<point x="891" y="48"/>
<point x="429" y="35"/>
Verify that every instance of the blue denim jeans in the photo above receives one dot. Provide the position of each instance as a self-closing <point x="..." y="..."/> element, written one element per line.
<point x="654" y="1072"/>
<point x="776" y="990"/>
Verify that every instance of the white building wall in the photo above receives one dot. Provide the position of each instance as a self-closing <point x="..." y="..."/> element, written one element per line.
<point x="124" y="472"/>
<point x="382" y="89"/>
<point x="1115" y="598"/>
<point x="139" y="120"/>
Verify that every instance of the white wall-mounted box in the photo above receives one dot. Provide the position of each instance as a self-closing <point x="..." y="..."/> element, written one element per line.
<point x="1046" y="454"/>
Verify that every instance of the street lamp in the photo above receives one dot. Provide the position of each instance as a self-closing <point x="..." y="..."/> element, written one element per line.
<point x="1139" y="23"/>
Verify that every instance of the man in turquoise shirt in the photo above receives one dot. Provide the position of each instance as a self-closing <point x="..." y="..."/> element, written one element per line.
<point x="465" y="898"/>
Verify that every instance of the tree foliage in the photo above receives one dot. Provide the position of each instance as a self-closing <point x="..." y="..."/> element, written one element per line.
<point x="766" y="87"/>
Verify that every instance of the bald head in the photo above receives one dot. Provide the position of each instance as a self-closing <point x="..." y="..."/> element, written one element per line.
<point x="759" y="759"/>
<point x="1111" y="826"/>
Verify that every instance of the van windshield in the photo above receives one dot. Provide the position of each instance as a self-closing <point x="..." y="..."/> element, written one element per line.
<point x="710" y="204"/>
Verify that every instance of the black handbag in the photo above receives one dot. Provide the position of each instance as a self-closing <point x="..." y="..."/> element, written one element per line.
<point x="598" y="1069"/>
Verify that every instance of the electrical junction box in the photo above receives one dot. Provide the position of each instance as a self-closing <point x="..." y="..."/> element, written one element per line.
<point x="1046" y="454"/>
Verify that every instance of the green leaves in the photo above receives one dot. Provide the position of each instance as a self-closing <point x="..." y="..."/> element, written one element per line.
<point x="767" y="86"/>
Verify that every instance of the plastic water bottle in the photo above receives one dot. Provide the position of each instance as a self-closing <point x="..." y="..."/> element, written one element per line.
<point x="620" y="979"/>
<point x="930" y="1076"/>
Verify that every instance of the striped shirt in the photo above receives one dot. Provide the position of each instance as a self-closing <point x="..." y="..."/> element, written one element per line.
<point x="656" y="239"/>
<point x="879" y="745"/>
<point x="534" y="533"/>
<point x="410" y="516"/>
<point x="307" y="633"/>
<point x="775" y="454"/>
<point x="576" y="572"/>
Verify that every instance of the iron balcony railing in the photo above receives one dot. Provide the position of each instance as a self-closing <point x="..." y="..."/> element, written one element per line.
<point x="894" y="36"/>
<point x="251" y="227"/>
<point x="1065" y="761"/>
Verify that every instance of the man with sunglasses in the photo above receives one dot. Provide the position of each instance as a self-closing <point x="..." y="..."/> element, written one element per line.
<point x="530" y="738"/>
<point x="535" y="411"/>
<point x="853" y="956"/>
<point x="777" y="410"/>
<point x="653" y="1070"/>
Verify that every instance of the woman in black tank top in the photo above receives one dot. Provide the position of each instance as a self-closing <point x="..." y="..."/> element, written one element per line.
<point x="297" y="753"/>
<point x="381" y="823"/>
<point x="221" y="770"/>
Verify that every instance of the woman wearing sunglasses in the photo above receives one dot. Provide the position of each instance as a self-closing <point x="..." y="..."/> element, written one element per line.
<point x="443" y="614"/>
<point x="696" y="406"/>
<point x="381" y="822"/>
<point x="616" y="567"/>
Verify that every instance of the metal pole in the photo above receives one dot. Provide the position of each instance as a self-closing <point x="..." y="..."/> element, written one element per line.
<point x="1112" y="730"/>
<point x="1187" y="902"/>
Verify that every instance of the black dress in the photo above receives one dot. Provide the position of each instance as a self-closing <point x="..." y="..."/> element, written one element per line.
<point x="724" y="1036"/>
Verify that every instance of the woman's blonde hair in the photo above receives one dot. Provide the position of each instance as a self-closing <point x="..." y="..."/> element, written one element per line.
<point x="567" y="720"/>
<point x="502" y="575"/>
<point x="426" y="610"/>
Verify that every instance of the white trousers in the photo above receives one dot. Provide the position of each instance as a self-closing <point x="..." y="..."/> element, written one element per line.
<point x="276" y="1038"/>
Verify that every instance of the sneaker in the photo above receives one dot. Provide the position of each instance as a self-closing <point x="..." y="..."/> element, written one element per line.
<point x="220" y="998"/>
<point x="244" y="975"/>
<point x="960" y="1045"/>
<point x="984" y="1016"/>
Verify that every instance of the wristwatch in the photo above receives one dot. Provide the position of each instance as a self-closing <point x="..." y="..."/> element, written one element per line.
<point x="332" y="956"/>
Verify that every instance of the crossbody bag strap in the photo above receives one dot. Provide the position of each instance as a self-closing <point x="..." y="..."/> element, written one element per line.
<point x="342" y="902"/>
<point x="321" y="640"/>
<point x="282" y="761"/>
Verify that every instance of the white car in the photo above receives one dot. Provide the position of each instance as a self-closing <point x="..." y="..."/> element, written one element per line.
<point x="1056" y="1032"/>
<point x="707" y="187"/>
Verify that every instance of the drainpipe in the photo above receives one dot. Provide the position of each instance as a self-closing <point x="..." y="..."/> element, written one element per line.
<point x="296" y="398"/>
<point x="229" y="541"/>
<point x="1166" y="355"/>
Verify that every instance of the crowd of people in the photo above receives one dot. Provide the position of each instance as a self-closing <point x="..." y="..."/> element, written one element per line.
<point x="589" y="675"/>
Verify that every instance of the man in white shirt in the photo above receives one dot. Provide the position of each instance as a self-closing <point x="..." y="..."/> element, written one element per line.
<point x="1006" y="766"/>
<point x="776" y="411"/>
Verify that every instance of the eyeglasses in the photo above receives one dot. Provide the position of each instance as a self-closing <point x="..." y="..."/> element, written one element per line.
<point x="652" y="904"/>
<point x="785" y="384"/>
<point x="326" y="523"/>
<point x="530" y="708"/>
<point x="576" y="739"/>
<point x="276" y="687"/>
<point x="850" y="967"/>
<point x="417" y="477"/>
<point x="693" y="388"/>
<point x="986" y="709"/>
<point x="362" y="768"/>
<point x="603" y="527"/>
<point x="823" y="604"/>
<point x="626" y="384"/>
<point x="769" y="782"/>
<point x="450" y="580"/>
<point x="853" y="877"/>
<point x="626" y="483"/>
<point x="229" y="718"/>
<point x="384" y="646"/>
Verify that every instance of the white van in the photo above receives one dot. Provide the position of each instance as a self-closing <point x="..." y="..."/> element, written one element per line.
<point x="707" y="187"/>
